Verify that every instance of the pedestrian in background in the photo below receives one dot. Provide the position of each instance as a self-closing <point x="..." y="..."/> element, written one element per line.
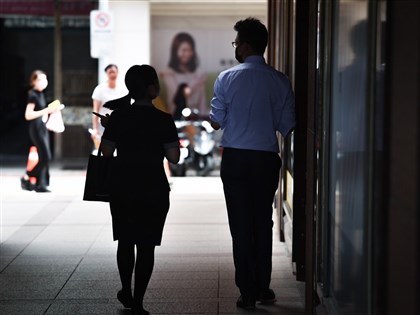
<point x="180" y="100"/>
<point x="143" y="136"/>
<point x="104" y="92"/>
<point x="251" y="103"/>
<point x="37" y="113"/>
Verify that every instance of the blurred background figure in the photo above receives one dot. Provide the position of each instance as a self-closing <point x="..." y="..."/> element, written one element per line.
<point x="103" y="93"/>
<point x="37" y="113"/>
<point x="180" y="100"/>
<point x="183" y="68"/>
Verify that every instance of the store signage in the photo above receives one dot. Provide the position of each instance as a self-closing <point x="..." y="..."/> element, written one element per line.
<point x="45" y="8"/>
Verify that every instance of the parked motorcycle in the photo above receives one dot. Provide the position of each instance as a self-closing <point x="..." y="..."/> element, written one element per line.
<point x="180" y="169"/>
<point x="196" y="137"/>
<point x="203" y="143"/>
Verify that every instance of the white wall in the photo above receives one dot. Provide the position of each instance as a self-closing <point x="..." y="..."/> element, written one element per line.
<point x="131" y="36"/>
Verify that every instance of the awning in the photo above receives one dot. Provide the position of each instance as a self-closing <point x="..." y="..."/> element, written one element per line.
<point x="46" y="7"/>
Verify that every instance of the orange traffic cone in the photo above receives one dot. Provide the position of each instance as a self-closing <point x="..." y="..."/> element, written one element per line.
<point x="32" y="161"/>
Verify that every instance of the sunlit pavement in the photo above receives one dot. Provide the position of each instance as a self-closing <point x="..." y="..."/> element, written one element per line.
<point x="57" y="255"/>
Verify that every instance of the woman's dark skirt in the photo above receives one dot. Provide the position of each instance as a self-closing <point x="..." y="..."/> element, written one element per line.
<point x="140" y="221"/>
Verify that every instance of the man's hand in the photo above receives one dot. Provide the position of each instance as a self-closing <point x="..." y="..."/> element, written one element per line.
<point x="215" y="125"/>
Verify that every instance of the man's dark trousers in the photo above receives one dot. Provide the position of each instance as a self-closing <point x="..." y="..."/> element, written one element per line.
<point x="250" y="179"/>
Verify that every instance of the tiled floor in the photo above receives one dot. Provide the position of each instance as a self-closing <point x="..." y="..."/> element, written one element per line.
<point x="57" y="255"/>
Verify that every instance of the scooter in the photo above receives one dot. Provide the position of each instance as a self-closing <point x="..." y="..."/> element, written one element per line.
<point x="180" y="169"/>
<point x="203" y="145"/>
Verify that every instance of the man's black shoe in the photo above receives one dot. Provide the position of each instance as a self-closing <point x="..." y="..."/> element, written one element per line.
<point x="247" y="304"/>
<point x="266" y="296"/>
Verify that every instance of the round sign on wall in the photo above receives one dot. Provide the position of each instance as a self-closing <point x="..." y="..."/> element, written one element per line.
<point x="101" y="32"/>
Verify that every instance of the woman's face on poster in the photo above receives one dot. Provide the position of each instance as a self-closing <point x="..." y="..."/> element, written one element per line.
<point x="185" y="53"/>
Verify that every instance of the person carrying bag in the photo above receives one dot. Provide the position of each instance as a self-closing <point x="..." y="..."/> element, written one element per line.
<point x="99" y="177"/>
<point x="138" y="196"/>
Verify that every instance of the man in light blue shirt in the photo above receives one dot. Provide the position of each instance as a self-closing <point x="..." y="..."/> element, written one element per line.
<point x="252" y="103"/>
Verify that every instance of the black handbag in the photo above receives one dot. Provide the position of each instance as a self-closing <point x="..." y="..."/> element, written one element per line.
<point x="100" y="177"/>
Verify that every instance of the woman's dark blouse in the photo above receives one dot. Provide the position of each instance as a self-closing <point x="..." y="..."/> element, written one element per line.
<point x="38" y="99"/>
<point x="140" y="134"/>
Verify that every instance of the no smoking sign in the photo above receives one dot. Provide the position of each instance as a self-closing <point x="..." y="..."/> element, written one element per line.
<point x="102" y="20"/>
<point x="101" y="31"/>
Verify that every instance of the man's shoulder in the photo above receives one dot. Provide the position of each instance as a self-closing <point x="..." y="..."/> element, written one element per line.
<point x="280" y="75"/>
<point x="101" y="86"/>
<point x="245" y="67"/>
<point x="231" y="70"/>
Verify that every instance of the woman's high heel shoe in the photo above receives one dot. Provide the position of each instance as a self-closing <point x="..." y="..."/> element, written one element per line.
<point x="125" y="299"/>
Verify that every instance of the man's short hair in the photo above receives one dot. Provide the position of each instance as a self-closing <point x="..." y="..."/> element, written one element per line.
<point x="111" y="65"/>
<point x="253" y="32"/>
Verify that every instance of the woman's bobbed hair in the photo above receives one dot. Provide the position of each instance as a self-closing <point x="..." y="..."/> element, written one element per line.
<point x="137" y="79"/>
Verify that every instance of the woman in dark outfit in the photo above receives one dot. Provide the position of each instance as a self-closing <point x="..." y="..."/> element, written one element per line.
<point x="180" y="100"/>
<point x="37" y="113"/>
<point x="143" y="136"/>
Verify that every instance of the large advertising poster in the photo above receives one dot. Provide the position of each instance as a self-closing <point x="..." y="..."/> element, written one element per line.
<point x="188" y="54"/>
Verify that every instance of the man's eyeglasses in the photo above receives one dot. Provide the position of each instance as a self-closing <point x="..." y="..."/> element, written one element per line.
<point x="235" y="44"/>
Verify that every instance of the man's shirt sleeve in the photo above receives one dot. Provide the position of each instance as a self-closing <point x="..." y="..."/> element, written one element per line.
<point x="218" y="105"/>
<point x="288" y="119"/>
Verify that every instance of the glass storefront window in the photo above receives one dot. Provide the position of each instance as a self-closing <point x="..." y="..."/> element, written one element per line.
<point x="348" y="189"/>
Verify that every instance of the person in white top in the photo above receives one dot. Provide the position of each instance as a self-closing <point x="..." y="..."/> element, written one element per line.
<point x="103" y="93"/>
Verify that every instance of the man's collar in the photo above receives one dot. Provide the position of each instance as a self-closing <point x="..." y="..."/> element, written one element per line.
<point x="255" y="59"/>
